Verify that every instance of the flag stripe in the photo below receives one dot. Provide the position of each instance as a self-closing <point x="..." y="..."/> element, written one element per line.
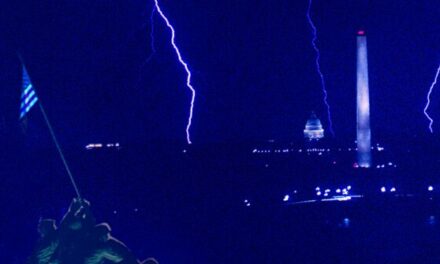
<point x="31" y="104"/>
<point x="28" y="97"/>
<point x="26" y="90"/>
<point x="25" y="103"/>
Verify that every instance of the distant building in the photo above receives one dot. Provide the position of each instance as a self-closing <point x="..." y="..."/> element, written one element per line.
<point x="313" y="129"/>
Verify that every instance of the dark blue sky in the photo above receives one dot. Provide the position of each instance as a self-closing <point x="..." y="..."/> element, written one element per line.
<point x="252" y="64"/>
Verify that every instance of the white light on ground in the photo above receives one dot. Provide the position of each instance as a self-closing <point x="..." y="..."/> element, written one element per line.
<point x="393" y="189"/>
<point x="286" y="198"/>
<point x="430" y="188"/>
<point x="383" y="189"/>
<point x="346" y="222"/>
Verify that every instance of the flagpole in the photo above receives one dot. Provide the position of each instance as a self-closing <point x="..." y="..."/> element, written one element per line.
<point x="54" y="138"/>
<point x="55" y="141"/>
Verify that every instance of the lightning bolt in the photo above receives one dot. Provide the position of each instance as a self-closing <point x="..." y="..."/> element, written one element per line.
<point x="185" y="66"/>
<point x="152" y="46"/>
<point x="428" y="100"/>
<point x="318" y="67"/>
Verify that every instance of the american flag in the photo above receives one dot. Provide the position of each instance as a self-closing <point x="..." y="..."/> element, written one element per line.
<point x="28" y="95"/>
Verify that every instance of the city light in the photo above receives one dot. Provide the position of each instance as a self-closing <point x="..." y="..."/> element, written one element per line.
<point x="383" y="189"/>
<point x="92" y="146"/>
<point x="393" y="189"/>
<point x="346" y="222"/>
<point x="100" y="145"/>
<point x="430" y="188"/>
<point x="286" y="198"/>
<point x="338" y="199"/>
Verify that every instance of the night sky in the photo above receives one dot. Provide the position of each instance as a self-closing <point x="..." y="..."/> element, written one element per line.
<point x="253" y="67"/>
<point x="252" y="63"/>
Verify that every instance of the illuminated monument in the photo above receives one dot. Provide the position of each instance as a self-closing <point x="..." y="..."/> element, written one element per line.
<point x="313" y="130"/>
<point x="363" y="103"/>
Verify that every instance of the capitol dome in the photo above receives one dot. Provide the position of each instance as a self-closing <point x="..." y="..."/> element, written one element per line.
<point x="313" y="129"/>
